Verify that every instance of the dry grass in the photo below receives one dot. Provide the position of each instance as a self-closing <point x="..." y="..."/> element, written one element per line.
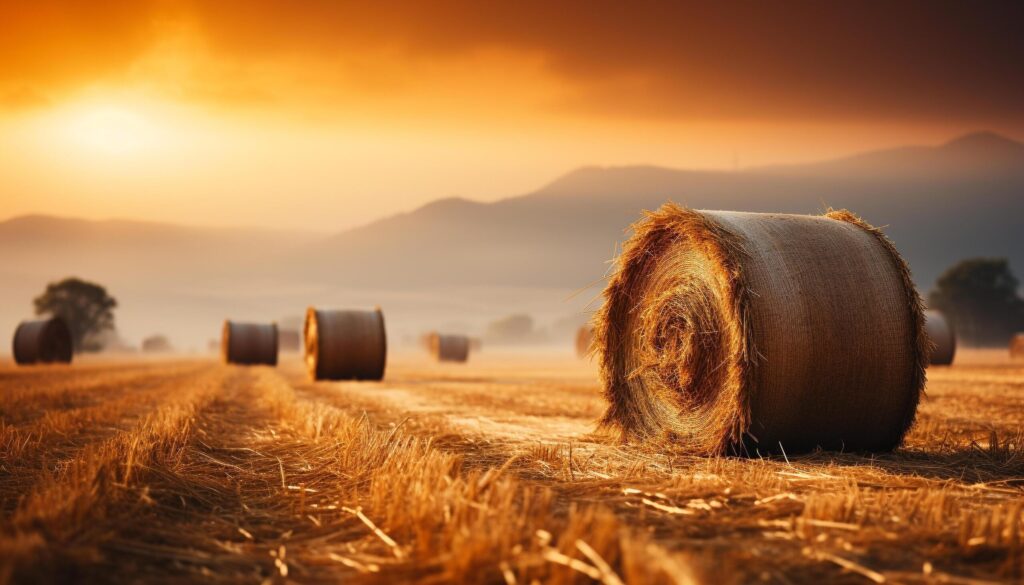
<point x="490" y="474"/>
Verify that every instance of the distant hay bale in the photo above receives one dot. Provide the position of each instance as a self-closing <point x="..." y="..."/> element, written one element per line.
<point x="584" y="340"/>
<point x="289" y="340"/>
<point x="43" y="341"/>
<point x="735" y="332"/>
<point x="425" y="340"/>
<point x="156" y="344"/>
<point x="249" y="344"/>
<point x="345" y="345"/>
<point x="449" y="348"/>
<point x="942" y="337"/>
<point x="476" y="345"/>
<point x="1017" y="346"/>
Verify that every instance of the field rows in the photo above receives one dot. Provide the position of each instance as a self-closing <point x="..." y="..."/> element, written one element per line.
<point x="491" y="472"/>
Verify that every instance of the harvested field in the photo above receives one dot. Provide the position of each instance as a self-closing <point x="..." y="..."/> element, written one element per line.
<point x="168" y="471"/>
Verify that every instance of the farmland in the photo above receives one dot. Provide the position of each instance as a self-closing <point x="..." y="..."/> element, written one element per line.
<point x="180" y="470"/>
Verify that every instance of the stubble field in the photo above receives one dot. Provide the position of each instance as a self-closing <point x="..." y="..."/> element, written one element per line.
<point x="186" y="470"/>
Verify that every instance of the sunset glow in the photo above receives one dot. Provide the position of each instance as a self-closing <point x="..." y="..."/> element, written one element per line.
<point x="111" y="130"/>
<point x="532" y="291"/>
<point x="363" y="113"/>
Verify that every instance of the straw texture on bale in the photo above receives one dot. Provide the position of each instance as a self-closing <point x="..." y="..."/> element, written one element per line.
<point x="289" y="340"/>
<point x="345" y="345"/>
<point x="1017" y="346"/>
<point x="42" y="342"/>
<point x="942" y="337"/>
<point x="584" y="340"/>
<point x="748" y="332"/>
<point x="249" y="344"/>
<point x="449" y="348"/>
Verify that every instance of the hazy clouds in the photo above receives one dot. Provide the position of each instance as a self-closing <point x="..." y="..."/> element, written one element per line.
<point x="907" y="60"/>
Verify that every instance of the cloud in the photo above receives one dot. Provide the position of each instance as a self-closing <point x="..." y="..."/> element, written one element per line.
<point x="703" y="60"/>
<point x="23" y="98"/>
<point x="58" y="44"/>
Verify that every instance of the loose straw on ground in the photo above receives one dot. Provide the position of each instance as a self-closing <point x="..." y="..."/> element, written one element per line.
<point x="358" y="513"/>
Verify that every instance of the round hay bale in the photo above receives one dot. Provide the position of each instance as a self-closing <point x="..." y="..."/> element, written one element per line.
<point x="584" y="340"/>
<point x="157" y="344"/>
<point x="425" y="340"/>
<point x="42" y="342"/>
<point x="345" y="345"/>
<point x="449" y="348"/>
<point x="249" y="344"/>
<point x="942" y="338"/>
<point x="731" y="332"/>
<point x="1017" y="346"/>
<point x="289" y="340"/>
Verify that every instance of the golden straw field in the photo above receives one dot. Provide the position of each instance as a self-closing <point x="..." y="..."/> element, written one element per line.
<point x="511" y="293"/>
<point x="192" y="470"/>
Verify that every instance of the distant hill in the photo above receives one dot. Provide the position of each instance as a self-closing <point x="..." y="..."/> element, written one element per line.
<point x="939" y="204"/>
<point x="974" y="154"/>
<point x="460" y="261"/>
<point x="39" y="244"/>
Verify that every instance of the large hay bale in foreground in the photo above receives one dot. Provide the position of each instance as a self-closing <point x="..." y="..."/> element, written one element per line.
<point x="43" y="341"/>
<point x="584" y="340"/>
<point x="735" y="332"/>
<point x="1017" y="346"/>
<point x="942" y="337"/>
<point x="449" y="348"/>
<point x="345" y="345"/>
<point x="249" y="344"/>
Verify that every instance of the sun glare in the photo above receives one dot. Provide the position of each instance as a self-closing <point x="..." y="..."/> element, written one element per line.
<point x="111" y="130"/>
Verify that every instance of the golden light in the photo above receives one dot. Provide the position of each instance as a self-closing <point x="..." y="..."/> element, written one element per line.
<point x="110" y="130"/>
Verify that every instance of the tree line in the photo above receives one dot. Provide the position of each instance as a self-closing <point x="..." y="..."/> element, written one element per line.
<point x="979" y="296"/>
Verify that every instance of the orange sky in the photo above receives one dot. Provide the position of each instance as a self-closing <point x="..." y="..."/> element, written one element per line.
<point x="261" y="113"/>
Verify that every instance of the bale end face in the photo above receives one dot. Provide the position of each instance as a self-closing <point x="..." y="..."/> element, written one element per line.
<point x="249" y="344"/>
<point x="345" y="345"/>
<point x="44" y="341"/>
<point x="1017" y="346"/>
<point x="730" y="332"/>
<point x="449" y="348"/>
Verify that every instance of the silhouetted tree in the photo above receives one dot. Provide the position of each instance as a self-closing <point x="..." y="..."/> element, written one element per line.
<point x="85" y="307"/>
<point x="980" y="297"/>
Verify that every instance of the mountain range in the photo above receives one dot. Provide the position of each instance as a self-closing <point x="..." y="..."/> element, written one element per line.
<point x="460" y="262"/>
<point x="939" y="204"/>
